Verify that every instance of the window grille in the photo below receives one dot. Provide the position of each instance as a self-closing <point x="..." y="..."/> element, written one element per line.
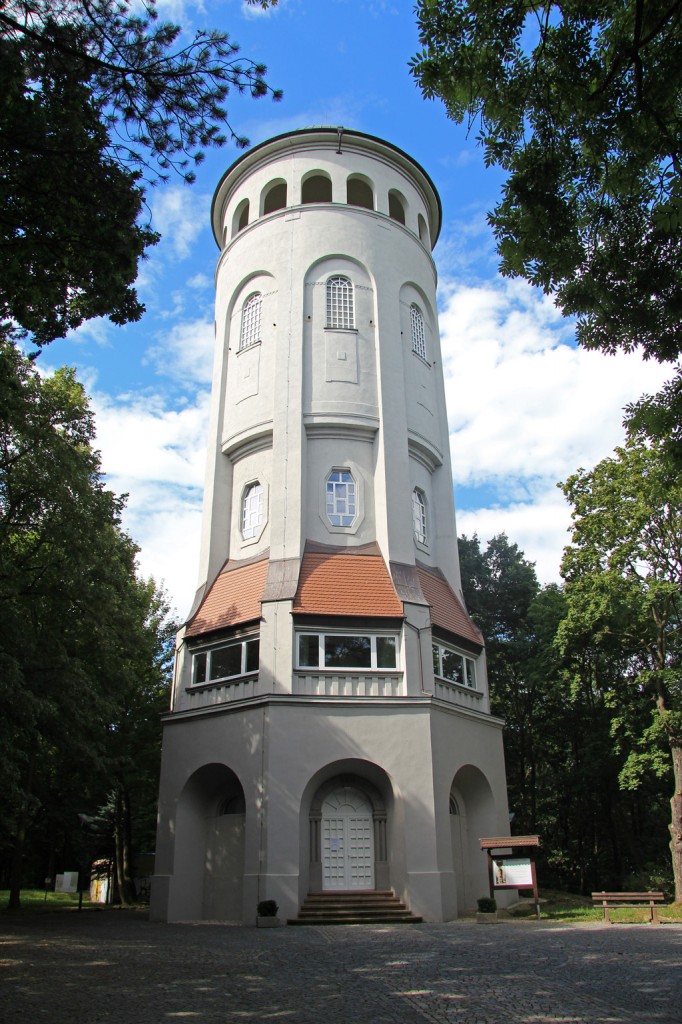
<point x="340" y="313"/>
<point x="419" y="515"/>
<point x="341" y="500"/>
<point x="251" y="310"/>
<point x="418" y="336"/>
<point x="252" y="510"/>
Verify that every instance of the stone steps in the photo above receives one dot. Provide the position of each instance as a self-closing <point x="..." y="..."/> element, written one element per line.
<point x="353" y="907"/>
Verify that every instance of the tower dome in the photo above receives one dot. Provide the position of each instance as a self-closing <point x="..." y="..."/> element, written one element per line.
<point x="330" y="687"/>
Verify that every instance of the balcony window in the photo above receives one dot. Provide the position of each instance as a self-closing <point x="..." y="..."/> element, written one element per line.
<point x="347" y="651"/>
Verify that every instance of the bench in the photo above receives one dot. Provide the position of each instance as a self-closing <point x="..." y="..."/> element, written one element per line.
<point x="628" y="901"/>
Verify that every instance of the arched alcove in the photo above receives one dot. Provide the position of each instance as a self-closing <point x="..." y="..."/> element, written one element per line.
<point x="241" y="217"/>
<point x="359" y="192"/>
<point x="396" y="206"/>
<point x="274" y="196"/>
<point x="316" y="188"/>
<point x="472" y="815"/>
<point x="209" y="846"/>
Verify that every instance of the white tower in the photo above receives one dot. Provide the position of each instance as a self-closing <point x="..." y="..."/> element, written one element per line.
<point x="330" y="725"/>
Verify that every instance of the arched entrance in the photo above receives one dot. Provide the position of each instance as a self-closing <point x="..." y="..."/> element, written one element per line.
<point x="472" y="815"/>
<point x="209" y="846"/>
<point x="347" y="840"/>
<point x="348" y="836"/>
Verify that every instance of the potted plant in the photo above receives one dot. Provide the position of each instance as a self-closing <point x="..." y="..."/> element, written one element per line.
<point x="487" y="910"/>
<point x="267" y="914"/>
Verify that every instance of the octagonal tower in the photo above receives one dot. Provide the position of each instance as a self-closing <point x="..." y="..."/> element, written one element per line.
<point x="330" y="727"/>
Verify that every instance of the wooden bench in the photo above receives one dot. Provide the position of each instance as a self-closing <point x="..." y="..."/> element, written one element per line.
<point x="628" y="901"/>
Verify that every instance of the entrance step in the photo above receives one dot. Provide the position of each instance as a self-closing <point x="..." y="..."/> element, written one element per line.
<point x="369" y="906"/>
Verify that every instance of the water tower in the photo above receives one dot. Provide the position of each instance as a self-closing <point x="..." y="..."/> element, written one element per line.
<point x="330" y="728"/>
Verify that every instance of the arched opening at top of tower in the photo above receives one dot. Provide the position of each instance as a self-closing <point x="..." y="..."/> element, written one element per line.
<point x="316" y="188"/>
<point x="396" y="206"/>
<point x="359" y="192"/>
<point x="274" y="196"/>
<point x="241" y="217"/>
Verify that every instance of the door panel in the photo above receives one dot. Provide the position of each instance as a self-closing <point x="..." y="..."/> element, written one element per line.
<point x="347" y="841"/>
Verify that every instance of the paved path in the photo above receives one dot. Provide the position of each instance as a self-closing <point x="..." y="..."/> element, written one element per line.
<point x="117" y="968"/>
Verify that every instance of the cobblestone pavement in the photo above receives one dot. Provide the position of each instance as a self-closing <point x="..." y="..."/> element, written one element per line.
<point x="117" y="968"/>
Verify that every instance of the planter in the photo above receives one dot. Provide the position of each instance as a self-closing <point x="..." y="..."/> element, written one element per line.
<point x="486" y="918"/>
<point x="268" y="922"/>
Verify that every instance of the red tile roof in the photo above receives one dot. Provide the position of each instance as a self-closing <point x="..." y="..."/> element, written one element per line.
<point x="348" y="582"/>
<point x="233" y="598"/>
<point x="447" y="611"/>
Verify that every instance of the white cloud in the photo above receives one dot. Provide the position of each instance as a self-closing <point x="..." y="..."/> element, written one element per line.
<point x="179" y="213"/>
<point x="157" y="456"/>
<point x="527" y="408"/>
<point x="185" y="352"/>
<point x="539" y="527"/>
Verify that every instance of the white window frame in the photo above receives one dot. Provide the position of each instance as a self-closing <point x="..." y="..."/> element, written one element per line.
<point x="340" y="306"/>
<point x="204" y="656"/>
<point x="251" y="321"/>
<point x="333" y="499"/>
<point x="468" y="666"/>
<point x="252" y="510"/>
<point x="419" y="521"/>
<point x="323" y="667"/>
<point x="418" y="331"/>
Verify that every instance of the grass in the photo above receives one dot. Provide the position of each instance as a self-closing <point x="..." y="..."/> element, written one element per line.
<point x="37" y="900"/>
<point x="558" y="906"/>
<point x="563" y="906"/>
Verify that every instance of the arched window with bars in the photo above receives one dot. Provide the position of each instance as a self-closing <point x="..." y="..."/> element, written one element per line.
<point x="419" y="515"/>
<point x="418" y="333"/>
<point x="340" y="312"/>
<point x="252" y="510"/>
<point x="251" y="318"/>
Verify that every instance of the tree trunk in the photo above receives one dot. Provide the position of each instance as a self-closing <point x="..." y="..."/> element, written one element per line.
<point x="676" y="820"/>
<point x="16" y="869"/>
<point x="123" y="844"/>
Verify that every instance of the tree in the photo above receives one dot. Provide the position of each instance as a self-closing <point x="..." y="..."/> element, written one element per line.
<point x="624" y="585"/>
<point x="572" y="718"/>
<point x="580" y="104"/>
<point x="83" y="643"/>
<point x="97" y="102"/>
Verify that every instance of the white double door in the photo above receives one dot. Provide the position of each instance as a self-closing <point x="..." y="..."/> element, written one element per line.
<point x="347" y="840"/>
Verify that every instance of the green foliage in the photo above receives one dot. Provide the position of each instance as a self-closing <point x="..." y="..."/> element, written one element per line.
<point x="84" y="648"/>
<point x="268" y="908"/>
<point x="572" y="720"/>
<point x="97" y="101"/>
<point x="579" y="104"/>
<point x="623" y="575"/>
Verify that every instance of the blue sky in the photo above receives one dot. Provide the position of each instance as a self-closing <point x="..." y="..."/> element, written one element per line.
<point x="526" y="407"/>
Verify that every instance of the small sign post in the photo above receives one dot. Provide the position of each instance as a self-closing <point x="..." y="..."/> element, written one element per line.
<point x="511" y="864"/>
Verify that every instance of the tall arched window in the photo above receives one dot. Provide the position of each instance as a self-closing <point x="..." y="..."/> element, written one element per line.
<point x="419" y="515"/>
<point x="341" y="497"/>
<point x="250" y="332"/>
<point x="340" y="312"/>
<point x="252" y="510"/>
<point x="418" y="336"/>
